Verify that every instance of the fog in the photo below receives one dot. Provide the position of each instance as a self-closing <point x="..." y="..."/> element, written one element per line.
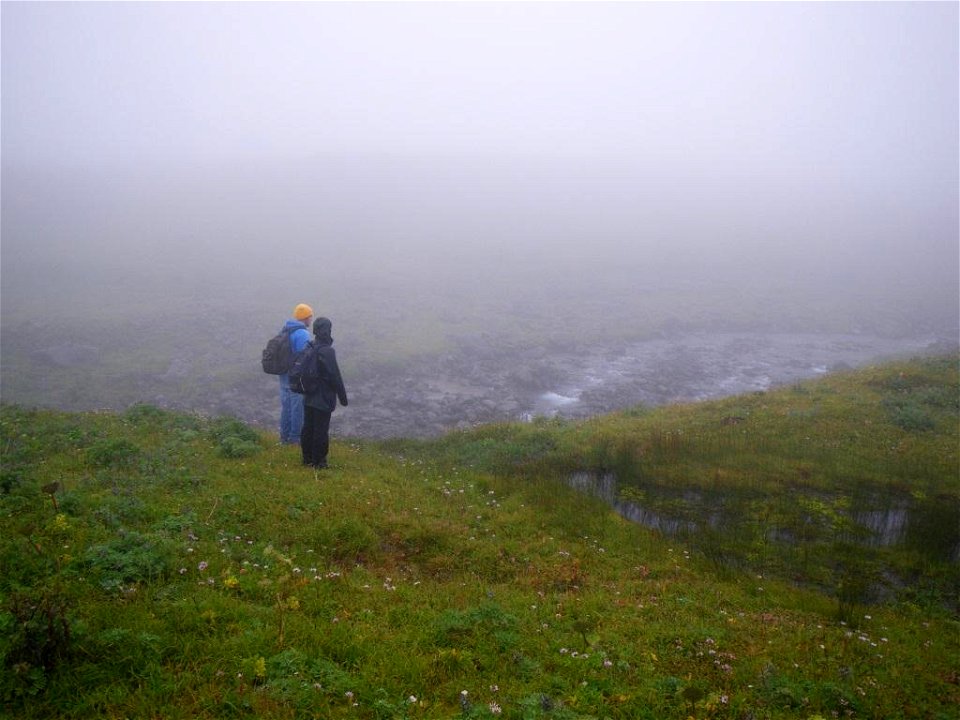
<point x="427" y="173"/>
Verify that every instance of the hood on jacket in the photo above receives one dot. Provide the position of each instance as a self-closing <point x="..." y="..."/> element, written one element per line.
<point x="298" y="333"/>
<point x="321" y="331"/>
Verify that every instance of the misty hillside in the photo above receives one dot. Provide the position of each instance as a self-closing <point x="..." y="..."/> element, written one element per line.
<point x="793" y="554"/>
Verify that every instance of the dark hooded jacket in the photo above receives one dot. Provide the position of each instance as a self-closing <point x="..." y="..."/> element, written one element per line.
<point x="331" y="386"/>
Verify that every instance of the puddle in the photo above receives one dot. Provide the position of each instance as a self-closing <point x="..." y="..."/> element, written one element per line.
<point x="875" y="523"/>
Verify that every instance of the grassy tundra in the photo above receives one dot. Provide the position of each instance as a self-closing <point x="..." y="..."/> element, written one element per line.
<point x="166" y="565"/>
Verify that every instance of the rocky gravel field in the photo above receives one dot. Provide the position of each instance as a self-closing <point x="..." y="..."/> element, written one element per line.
<point x="481" y="379"/>
<point x="482" y="383"/>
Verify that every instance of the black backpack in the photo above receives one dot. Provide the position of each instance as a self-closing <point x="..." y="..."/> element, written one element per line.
<point x="305" y="372"/>
<point x="278" y="355"/>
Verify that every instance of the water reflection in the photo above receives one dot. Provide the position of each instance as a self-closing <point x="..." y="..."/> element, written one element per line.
<point x="872" y="520"/>
<point x="605" y="487"/>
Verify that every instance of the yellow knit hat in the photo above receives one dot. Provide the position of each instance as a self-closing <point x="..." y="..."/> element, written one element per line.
<point x="302" y="312"/>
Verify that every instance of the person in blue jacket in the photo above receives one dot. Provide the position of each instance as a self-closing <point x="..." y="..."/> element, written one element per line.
<point x="320" y="404"/>
<point x="291" y="404"/>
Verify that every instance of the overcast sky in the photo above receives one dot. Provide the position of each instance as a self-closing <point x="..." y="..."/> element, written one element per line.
<point x="767" y="87"/>
<point x="764" y="123"/>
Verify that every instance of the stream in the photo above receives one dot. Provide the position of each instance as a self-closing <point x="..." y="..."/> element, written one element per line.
<point x="706" y="366"/>
<point x="480" y="382"/>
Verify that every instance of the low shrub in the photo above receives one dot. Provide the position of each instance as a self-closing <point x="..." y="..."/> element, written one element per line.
<point x="233" y="438"/>
<point x="234" y="447"/>
<point x="129" y="558"/>
<point x="35" y="635"/>
<point x="910" y="415"/>
<point x="113" y="453"/>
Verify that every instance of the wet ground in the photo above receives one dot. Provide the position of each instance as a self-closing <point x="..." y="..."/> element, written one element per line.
<point x="482" y="383"/>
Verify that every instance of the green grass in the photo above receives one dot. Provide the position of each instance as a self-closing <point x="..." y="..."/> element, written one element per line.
<point x="792" y="482"/>
<point x="185" y="567"/>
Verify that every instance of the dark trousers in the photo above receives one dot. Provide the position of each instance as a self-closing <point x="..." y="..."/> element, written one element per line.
<point x="315" y="436"/>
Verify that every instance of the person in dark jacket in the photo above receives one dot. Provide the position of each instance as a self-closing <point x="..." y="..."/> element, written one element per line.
<point x="319" y="406"/>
